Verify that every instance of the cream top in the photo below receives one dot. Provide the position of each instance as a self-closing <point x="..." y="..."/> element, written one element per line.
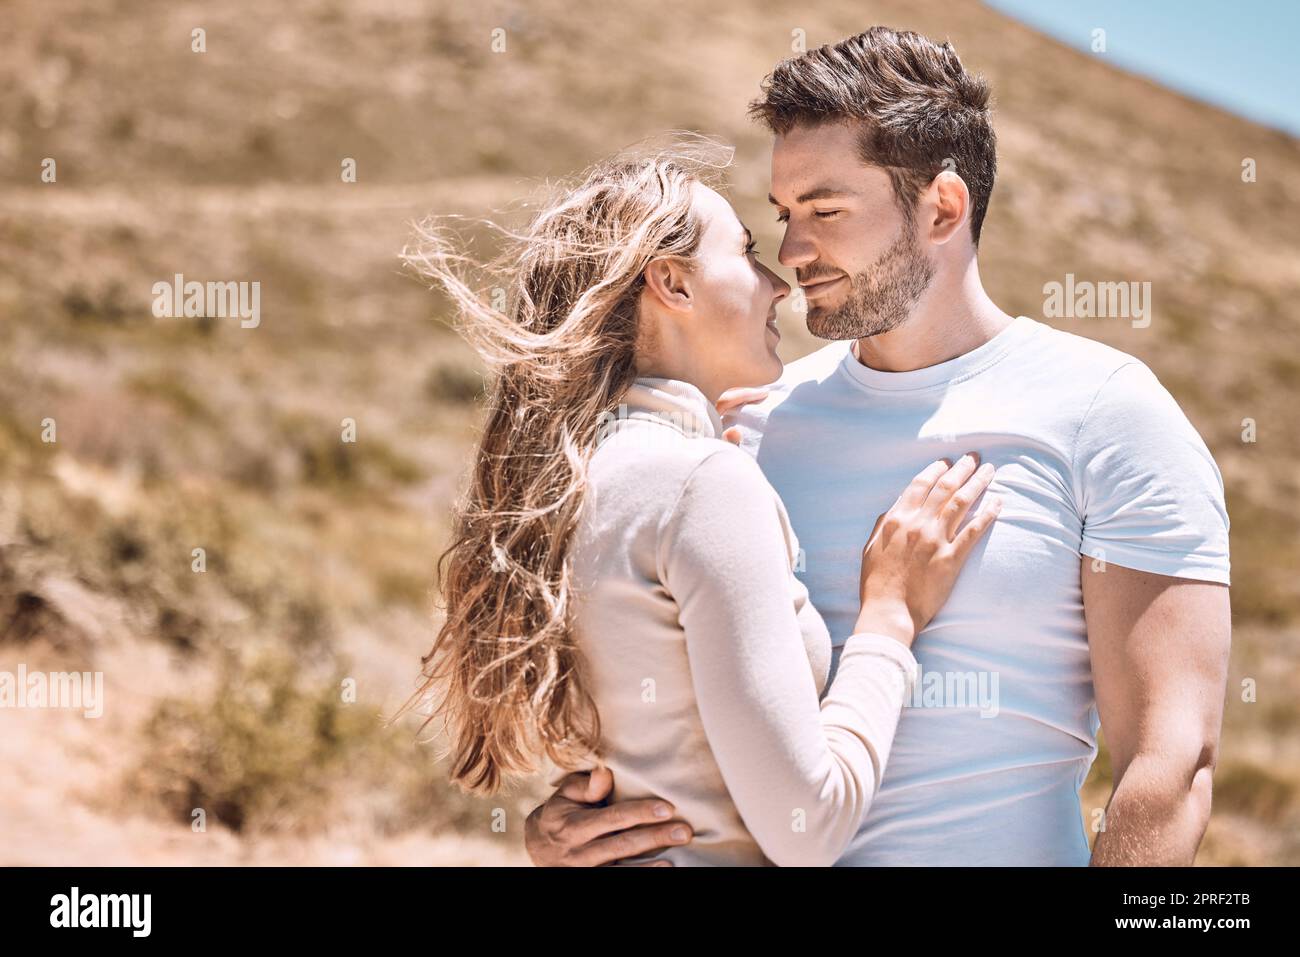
<point x="703" y="654"/>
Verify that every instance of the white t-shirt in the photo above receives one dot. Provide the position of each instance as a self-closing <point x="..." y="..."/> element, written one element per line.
<point x="1094" y="458"/>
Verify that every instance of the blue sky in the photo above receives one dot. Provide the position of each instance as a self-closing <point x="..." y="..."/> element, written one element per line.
<point x="1238" y="55"/>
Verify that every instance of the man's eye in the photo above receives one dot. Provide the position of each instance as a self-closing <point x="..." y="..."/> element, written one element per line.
<point x="828" y="214"/>
<point x="783" y="217"/>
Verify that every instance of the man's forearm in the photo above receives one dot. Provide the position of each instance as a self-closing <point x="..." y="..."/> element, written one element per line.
<point x="1157" y="815"/>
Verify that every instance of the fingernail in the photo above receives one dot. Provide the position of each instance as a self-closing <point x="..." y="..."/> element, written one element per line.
<point x="679" y="834"/>
<point x="663" y="810"/>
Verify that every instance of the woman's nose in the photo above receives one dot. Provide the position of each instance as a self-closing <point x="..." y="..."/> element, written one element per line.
<point x="780" y="288"/>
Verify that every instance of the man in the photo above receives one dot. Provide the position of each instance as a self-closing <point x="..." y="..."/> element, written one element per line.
<point x="1100" y="594"/>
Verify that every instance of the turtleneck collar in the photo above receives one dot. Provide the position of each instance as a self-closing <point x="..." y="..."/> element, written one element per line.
<point x="672" y="402"/>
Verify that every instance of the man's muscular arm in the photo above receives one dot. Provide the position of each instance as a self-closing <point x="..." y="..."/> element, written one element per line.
<point x="1159" y="650"/>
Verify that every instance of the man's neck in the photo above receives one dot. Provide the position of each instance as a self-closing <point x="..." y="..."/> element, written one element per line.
<point x="950" y="320"/>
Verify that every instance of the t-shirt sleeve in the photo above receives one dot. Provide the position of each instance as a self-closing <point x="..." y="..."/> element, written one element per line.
<point x="802" y="773"/>
<point x="1150" y="493"/>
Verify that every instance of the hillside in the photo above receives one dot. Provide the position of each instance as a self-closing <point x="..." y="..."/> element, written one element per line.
<point x="177" y="434"/>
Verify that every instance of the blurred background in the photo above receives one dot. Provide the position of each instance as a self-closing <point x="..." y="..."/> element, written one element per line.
<point x="227" y="689"/>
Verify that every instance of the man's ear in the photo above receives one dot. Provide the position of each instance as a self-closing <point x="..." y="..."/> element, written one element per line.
<point x="949" y="199"/>
<point x="665" y="279"/>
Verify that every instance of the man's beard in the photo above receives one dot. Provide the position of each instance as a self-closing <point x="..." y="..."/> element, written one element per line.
<point x="882" y="296"/>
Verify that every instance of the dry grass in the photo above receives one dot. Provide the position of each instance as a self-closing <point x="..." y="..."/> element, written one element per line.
<point x="176" y="434"/>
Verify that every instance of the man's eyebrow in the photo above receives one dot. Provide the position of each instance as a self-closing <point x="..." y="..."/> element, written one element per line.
<point x="821" y="192"/>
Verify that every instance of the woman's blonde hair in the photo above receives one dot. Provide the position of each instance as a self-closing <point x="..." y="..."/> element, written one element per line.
<point x="504" y="670"/>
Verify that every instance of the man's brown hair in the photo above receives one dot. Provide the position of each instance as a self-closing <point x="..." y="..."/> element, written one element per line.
<point x="917" y="105"/>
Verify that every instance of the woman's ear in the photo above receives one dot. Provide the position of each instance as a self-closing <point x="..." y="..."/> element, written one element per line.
<point x="665" y="280"/>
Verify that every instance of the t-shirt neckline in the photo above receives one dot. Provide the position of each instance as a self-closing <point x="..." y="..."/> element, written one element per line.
<point x="944" y="373"/>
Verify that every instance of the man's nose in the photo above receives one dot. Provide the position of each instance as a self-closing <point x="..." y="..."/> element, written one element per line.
<point x="795" y="251"/>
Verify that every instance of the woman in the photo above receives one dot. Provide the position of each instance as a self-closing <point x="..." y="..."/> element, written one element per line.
<point x="620" y="587"/>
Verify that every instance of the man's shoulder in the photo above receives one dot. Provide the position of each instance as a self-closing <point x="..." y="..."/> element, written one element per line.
<point x="1068" y="356"/>
<point x="1101" y="396"/>
<point x="813" y="369"/>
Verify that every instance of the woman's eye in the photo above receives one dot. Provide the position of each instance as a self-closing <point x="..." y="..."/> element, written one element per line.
<point x="751" y="249"/>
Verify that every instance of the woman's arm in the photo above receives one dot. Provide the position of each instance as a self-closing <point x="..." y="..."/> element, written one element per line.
<point x="802" y="773"/>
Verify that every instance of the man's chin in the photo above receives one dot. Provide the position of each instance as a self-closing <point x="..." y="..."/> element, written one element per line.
<point x="826" y="324"/>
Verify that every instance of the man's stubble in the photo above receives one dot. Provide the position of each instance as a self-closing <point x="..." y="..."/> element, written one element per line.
<point x="882" y="296"/>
